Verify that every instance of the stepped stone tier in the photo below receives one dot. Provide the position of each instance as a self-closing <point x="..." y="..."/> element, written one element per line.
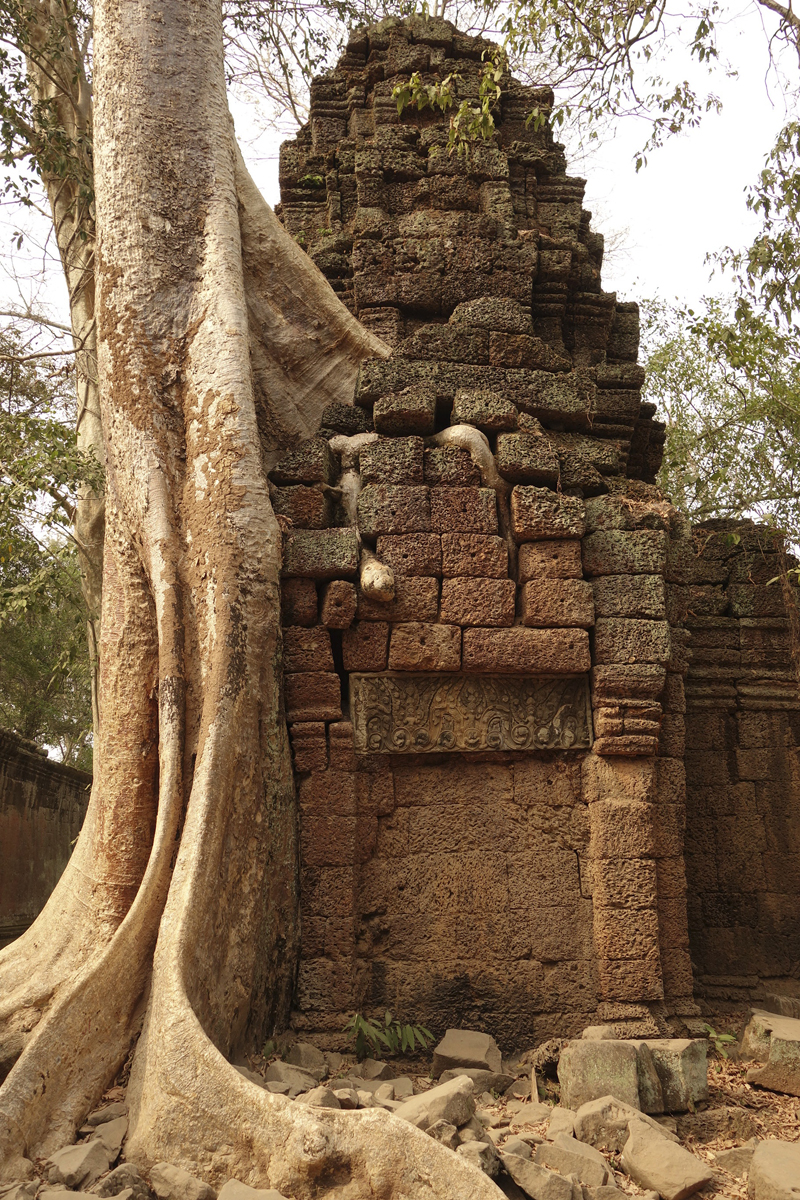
<point x="527" y="700"/>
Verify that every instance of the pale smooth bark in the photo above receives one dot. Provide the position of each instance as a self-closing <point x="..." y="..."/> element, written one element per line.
<point x="219" y="342"/>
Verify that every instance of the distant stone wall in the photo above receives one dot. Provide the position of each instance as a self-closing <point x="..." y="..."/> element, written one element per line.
<point x="42" y="806"/>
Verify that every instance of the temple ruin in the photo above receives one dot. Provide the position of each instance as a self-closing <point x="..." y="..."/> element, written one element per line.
<point x="544" y="730"/>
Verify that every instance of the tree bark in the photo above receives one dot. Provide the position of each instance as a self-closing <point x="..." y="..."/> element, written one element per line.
<point x="218" y="342"/>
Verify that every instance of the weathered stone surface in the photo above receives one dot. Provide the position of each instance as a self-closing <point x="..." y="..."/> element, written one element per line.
<point x="655" y="1163"/>
<point x="298" y="602"/>
<point x="297" y="1079"/>
<point x="424" y="647"/>
<point x="450" y="466"/>
<point x="474" y="554"/>
<point x="570" y="1157"/>
<point x="466" y="1048"/>
<point x="315" y="696"/>
<point x="365" y="646"/>
<point x="308" y="1058"/>
<point x="305" y="507"/>
<point x="412" y="410"/>
<point x="478" y="602"/>
<point x="682" y="1070"/>
<point x="125" y="1177"/>
<point x="781" y="1073"/>
<point x="467" y="510"/>
<point x="617" y="552"/>
<point x="112" y="1135"/>
<point x="348" y="419"/>
<point x="311" y="461"/>
<point x="173" y="1183"/>
<point x="737" y="1160"/>
<point x="619" y="640"/>
<point x="392" y="460"/>
<point x="234" y="1190"/>
<point x="589" y="1070"/>
<point x="630" y="596"/>
<point x="538" y="514"/>
<point x="411" y="553"/>
<point x="391" y="508"/>
<point x="550" y="560"/>
<point x="651" y="1093"/>
<point x="537" y="1182"/>
<point x="562" y="1120"/>
<point x="81" y="1165"/>
<point x="412" y="714"/>
<point x="526" y="458"/>
<point x="485" y="410"/>
<point x="499" y="314"/>
<point x="523" y="650"/>
<point x="775" y="1171"/>
<point x="444" y="1132"/>
<point x="339" y="601"/>
<point x="482" y="1080"/>
<point x="548" y="603"/>
<point x="320" y="554"/>
<point x="482" y="1155"/>
<point x="109" y="1112"/>
<point x="452" y="1102"/>
<point x="415" y="599"/>
<point x="320" y="1097"/>
<point x="306" y="649"/>
<point x="523" y="1113"/>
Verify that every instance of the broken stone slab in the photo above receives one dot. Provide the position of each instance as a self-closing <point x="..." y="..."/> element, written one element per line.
<point x="570" y="1157"/>
<point x="528" y="1114"/>
<point x="112" y="1135"/>
<point x="472" y="1130"/>
<point x="737" y="1160"/>
<point x="604" y="1124"/>
<point x="756" y="1037"/>
<point x="251" y="1076"/>
<point x="781" y="1072"/>
<point x="515" y="1145"/>
<point x="347" y="1097"/>
<point x="482" y="1155"/>
<point x="297" y="1079"/>
<point x="21" y="1190"/>
<point x="655" y="1163"/>
<point x="452" y="1102"/>
<point x="562" y="1120"/>
<point x="280" y="1089"/>
<point x="60" y="1194"/>
<point x="682" y="1069"/>
<point x="651" y="1093"/>
<point x="124" y="1178"/>
<point x="308" y="1058"/>
<point x="775" y="1171"/>
<point x="367" y="1099"/>
<point x="444" y="1132"/>
<point x="79" y="1166"/>
<point x="173" y="1183"/>
<point x="234" y="1190"/>
<point x="110" y="1113"/>
<point x="535" y="1181"/>
<point x="403" y="1088"/>
<point x="320" y="1097"/>
<point x="483" y="1081"/>
<point x="520" y="1089"/>
<point x="588" y="1070"/>
<point x="466" y="1048"/>
<point x="599" y="1033"/>
<point x="373" y="1068"/>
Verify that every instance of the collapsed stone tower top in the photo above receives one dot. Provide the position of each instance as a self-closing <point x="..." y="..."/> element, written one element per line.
<point x="481" y="270"/>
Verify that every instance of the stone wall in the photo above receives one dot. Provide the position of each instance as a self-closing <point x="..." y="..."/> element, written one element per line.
<point x="42" y="806"/>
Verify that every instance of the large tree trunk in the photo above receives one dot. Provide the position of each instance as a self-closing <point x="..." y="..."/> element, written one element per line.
<point x="181" y="898"/>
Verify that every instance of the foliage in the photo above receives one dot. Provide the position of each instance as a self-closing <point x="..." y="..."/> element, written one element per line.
<point x="731" y="396"/>
<point x="719" y="1040"/>
<point x="391" y="1037"/>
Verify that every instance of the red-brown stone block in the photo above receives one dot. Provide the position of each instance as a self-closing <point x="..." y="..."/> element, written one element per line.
<point x="305" y="507"/>
<point x="416" y="598"/>
<point x="392" y="460"/>
<point x="306" y="649"/>
<point x="468" y="510"/>
<point x="550" y="560"/>
<point x="474" y="554"/>
<point x="618" y="640"/>
<point x="309" y="745"/>
<point x="485" y="602"/>
<point x="392" y="508"/>
<point x="526" y="458"/>
<point x="549" y="603"/>
<point x="529" y="651"/>
<point x="310" y="461"/>
<point x="365" y="646"/>
<point x="339" y="602"/>
<point x="315" y="696"/>
<point x="320" y="554"/>
<point x="422" y="647"/>
<point x="298" y="602"/>
<point x="538" y="514"/>
<point x="411" y="553"/>
<point x="411" y="411"/>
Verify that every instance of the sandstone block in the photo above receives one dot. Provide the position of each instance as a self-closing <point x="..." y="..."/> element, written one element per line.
<point x="415" y="599"/>
<point x="452" y="1102"/>
<point x="466" y="1048"/>
<point x="737" y="1160"/>
<point x="682" y="1071"/>
<point x="306" y="649"/>
<point x="498" y="314"/>
<point x="123" y="1180"/>
<point x="474" y="554"/>
<point x="305" y="507"/>
<point x="774" y="1171"/>
<point x="562" y="1120"/>
<point x="108" y="1112"/>
<point x="444" y="1132"/>
<point x="603" y="1123"/>
<point x="531" y="651"/>
<point x="550" y="560"/>
<point x="411" y="553"/>
<point x="320" y="554"/>
<point x="630" y="596"/>
<point x="618" y="640"/>
<point x="298" y="602"/>
<point x="570" y="1157"/>
<point x="467" y="510"/>
<point x="589" y="1070"/>
<point x="309" y="1058"/>
<point x="487" y="411"/>
<point x="309" y="746"/>
<point x="411" y="411"/>
<point x="346" y="418"/>
<point x="320" y="1097"/>
<point x="781" y="1073"/>
<point x="234" y="1190"/>
<point x="482" y="1155"/>
<point x="423" y="647"/>
<point x="390" y="508"/>
<point x="339" y="602"/>
<point x="173" y="1183"/>
<point x="482" y="1080"/>
<point x="620" y="552"/>
<point x="311" y="461"/>
<point x="526" y="458"/>
<point x="537" y="1182"/>
<point x="315" y="696"/>
<point x="666" y="1168"/>
<point x="81" y="1165"/>
<point x="298" y="1080"/>
<point x="523" y="1113"/>
<point x="557" y="602"/>
<point x="484" y="602"/>
<point x="365" y="646"/>
<point x="450" y="466"/>
<point x="538" y="514"/>
<point x="392" y="460"/>
<point x="112" y="1135"/>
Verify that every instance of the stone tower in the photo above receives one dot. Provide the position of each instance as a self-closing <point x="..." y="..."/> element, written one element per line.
<point x="489" y="606"/>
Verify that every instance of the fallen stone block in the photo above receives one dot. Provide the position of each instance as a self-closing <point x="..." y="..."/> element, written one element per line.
<point x="110" y="1113"/>
<point x="347" y="1097"/>
<point x="251" y="1076"/>
<point x="609" y="1192"/>
<point x="482" y="1081"/>
<point x="781" y="1072"/>
<point x="681" y="1065"/>
<point x="112" y="1135"/>
<point x="373" y="1068"/>
<point x="55" y="1194"/>
<point x="404" y="1088"/>
<point x="535" y="1181"/>
<point x="444" y="1132"/>
<point x="297" y="1079"/>
<point x="308" y="1058"/>
<point x="737" y="1160"/>
<point x="472" y="1131"/>
<point x="452" y="1102"/>
<point x="466" y="1048"/>
<point x="588" y="1070"/>
<point x="515" y="1145"/>
<point x="173" y="1183"/>
<point x="482" y="1155"/>
<point x="320" y="1097"/>
<point x="651" y="1093"/>
<point x="655" y="1163"/>
<point x="79" y="1166"/>
<point x="234" y="1190"/>
<point x="124" y="1178"/>
<point x="775" y="1171"/>
<point x="528" y="1114"/>
<point x="562" y="1120"/>
<point x="570" y="1157"/>
<point x="604" y="1124"/>
<point x="24" y="1191"/>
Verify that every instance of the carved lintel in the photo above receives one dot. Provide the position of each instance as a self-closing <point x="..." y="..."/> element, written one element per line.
<point x="402" y="713"/>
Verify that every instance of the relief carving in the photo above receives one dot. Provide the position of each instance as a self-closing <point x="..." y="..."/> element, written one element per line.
<point x="401" y="713"/>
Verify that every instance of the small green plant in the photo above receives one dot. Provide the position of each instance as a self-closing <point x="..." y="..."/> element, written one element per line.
<point x="312" y="181"/>
<point x="372" y="1037"/>
<point x="720" y="1040"/>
